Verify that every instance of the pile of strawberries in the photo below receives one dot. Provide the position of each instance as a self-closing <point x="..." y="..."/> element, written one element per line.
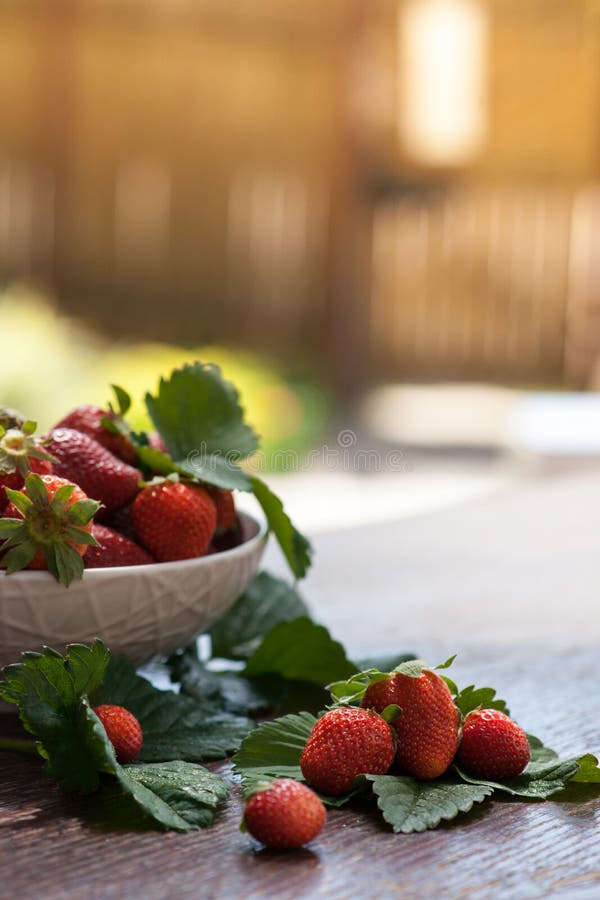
<point x="47" y="486"/>
<point x="422" y="740"/>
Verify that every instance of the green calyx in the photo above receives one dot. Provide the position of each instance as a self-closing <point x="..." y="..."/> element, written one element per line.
<point x="18" y="446"/>
<point x="50" y="525"/>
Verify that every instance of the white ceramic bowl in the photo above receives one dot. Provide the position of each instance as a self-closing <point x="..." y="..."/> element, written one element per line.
<point x="138" y="611"/>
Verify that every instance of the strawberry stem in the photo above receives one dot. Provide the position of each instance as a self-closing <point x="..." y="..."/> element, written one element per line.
<point x="20" y="745"/>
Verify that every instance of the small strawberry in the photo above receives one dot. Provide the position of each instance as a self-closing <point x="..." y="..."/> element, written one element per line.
<point x="106" y="426"/>
<point x="92" y="420"/>
<point x="47" y="525"/>
<point x="174" y="520"/>
<point x="427" y="729"/>
<point x="20" y="452"/>
<point x="344" y="743"/>
<point x="226" y="515"/>
<point x="122" y="729"/>
<point x="97" y="471"/>
<point x="492" y="746"/>
<point x="285" y="815"/>
<point x="114" y="550"/>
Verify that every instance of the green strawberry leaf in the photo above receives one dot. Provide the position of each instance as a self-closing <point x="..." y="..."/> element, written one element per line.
<point x="176" y="794"/>
<point x="539" y="753"/>
<point x="295" y="547"/>
<point x="174" y="726"/>
<point x="273" y="750"/>
<point x="46" y="688"/>
<point x="471" y="698"/>
<point x="199" y="417"/>
<point x="221" y="690"/>
<point x="409" y="805"/>
<point x="588" y="771"/>
<point x="538" y="781"/>
<point x="266" y="602"/>
<point x="123" y="400"/>
<point x="300" y="650"/>
<point x="383" y="663"/>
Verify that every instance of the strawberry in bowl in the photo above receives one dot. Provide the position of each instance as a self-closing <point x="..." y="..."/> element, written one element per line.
<point x="132" y="537"/>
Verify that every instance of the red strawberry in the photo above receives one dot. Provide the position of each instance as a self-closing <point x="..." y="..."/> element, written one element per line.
<point x="226" y="516"/>
<point x="16" y="481"/>
<point x="47" y="525"/>
<point x="492" y="746"/>
<point x="89" y="420"/>
<point x="174" y="520"/>
<point x="344" y="743"/>
<point x="285" y="815"/>
<point x="98" y="472"/>
<point x="427" y="730"/>
<point x="122" y="729"/>
<point x="114" y="550"/>
<point x="156" y="442"/>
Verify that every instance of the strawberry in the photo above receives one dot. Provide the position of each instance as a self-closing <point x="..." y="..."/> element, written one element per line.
<point x="92" y="420"/>
<point x="427" y="729"/>
<point x="156" y="442"/>
<point x="16" y="481"/>
<point x="47" y="525"/>
<point x="492" y="746"/>
<point x="226" y="516"/>
<point x="122" y="729"/>
<point x="98" y="472"/>
<point x="114" y="550"/>
<point x="284" y="815"/>
<point x="20" y="453"/>
<point x="344" y="743"/>
<point x="174" y="520"/>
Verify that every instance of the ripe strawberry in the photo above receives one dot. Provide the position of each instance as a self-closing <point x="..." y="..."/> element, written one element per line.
<point x="156" y="442"/>
<point x="16" y="481"/>
<point x="122" y="729"/>
<point x="114" y="550"/>
<point x="174" y="520"/>
<point x="47" y="525"/>
<point x="226" y="515"/>
<point x="103" y="426"/>
<point x="285" y="815"/>
<point x="427" y="730"/>
<point x="97" y="471"/>
<point x="492" y="746"/>
<point x="344" y="743"/>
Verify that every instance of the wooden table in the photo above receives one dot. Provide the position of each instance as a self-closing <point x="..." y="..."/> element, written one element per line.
<point x="510" y="582"/>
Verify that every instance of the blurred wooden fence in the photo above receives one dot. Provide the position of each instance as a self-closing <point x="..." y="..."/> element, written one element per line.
<point x="194" y="175"/>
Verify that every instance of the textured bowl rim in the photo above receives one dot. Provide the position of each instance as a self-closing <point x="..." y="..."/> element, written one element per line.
<point x="199" y="561"/>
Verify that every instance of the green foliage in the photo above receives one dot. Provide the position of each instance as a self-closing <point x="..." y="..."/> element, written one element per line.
<point x="471" y="698"/>
<point x="174" y="726"/>
<point x="51" y="694"/>
<point x="266" y="602"/>
<point x="409" y="805"/>
<point x="295" y="547"/>
<point x="300" y="650"/>
<point x="48" y="690"/>
<point x="200" y="419"/>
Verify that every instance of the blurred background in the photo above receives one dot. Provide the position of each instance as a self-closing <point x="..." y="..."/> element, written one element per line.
<point x="381" y="217"/>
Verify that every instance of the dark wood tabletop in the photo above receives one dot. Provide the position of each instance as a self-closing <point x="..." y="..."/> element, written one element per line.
<point x="510" y="582"/>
